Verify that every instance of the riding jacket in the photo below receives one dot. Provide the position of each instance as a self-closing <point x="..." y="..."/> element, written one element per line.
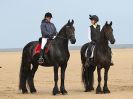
<point x="48" y="29"/>
<point x="95" y="33"/>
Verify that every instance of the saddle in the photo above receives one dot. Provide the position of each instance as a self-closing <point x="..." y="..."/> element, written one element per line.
<point x="37" y="48"/>
<point x="90" y="51"/>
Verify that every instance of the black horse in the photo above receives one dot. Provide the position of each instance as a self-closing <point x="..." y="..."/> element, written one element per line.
<point x="102" y="59"/>
<point x="58" y="56"/>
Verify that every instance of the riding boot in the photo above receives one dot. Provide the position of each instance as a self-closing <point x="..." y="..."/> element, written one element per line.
<point x="45" y="57"/>
<point x="41" y="59"/>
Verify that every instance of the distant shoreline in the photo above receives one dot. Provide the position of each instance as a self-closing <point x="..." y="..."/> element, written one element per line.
<point x="117" y="46"/>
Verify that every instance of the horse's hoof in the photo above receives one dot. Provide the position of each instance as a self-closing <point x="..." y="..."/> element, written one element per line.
<point x="24" y="91"/>
<point x="63" y="91"/>
<point x="86" y="90"/>
<point x="99" y="90"/>
<point x="92" y="88"/>
<point x="106" y="90"/>
<point x="89" y="89"/>
<point x="56" y="91"/>
<point x="33" y="91"/>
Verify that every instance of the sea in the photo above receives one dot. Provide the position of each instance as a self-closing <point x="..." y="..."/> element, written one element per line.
<point x="116" y="46"/>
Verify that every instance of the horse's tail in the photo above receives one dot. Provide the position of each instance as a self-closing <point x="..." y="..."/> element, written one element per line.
<point x="87" y="72"/>
<point x="25" y="67"/>
<point x="88" y="77"/>
<point x="83" y="76"/>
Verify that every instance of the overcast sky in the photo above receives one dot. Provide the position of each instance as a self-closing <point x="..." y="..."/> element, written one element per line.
<point x="20" y="19"/>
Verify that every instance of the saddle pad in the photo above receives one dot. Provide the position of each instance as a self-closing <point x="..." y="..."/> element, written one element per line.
<point x="38" y="48"/>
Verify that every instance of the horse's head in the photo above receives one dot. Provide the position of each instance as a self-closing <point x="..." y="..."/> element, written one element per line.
<point x="107" y="29"/>
<point x="70" y="31"/>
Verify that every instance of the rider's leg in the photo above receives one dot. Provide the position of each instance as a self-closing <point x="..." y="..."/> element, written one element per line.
<point x="92" y="51"/>
<point x="90" y="54"/>
<point x="42" y="53"/>
<point x="111" y="57"/>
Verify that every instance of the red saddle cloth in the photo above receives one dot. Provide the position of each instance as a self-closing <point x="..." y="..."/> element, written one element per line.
<point x="38" y="49"/>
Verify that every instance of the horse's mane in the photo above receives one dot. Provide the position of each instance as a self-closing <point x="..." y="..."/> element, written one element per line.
<point x="67" y="24"/>
<point x="102" y="33"/>
<point x="102" y="28"/>
<point x="62" y="28"/>
<point x="103" y="42"/>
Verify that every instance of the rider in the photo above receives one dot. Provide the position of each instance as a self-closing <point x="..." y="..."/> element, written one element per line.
<point x="94" y="32"/>
<point x="48" y="31"/>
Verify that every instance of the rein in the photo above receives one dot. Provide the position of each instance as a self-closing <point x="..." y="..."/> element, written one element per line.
<point x="62" y="37"/>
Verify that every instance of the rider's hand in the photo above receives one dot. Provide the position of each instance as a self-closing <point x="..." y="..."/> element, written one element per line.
<point x="54" y="37"/>
<point x="93" y="42"/>
<point x="51" y="36"/>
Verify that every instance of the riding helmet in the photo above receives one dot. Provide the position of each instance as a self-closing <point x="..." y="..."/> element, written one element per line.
<point x="48" y="14"/>
<point x="94" y="17"/>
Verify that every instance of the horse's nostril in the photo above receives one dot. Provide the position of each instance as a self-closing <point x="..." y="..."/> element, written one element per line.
<point x="73" y="40"/>
<point x="112" y="42"/>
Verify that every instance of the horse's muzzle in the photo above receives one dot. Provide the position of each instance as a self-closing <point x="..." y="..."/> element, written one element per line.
<point x="112" y="41"/>
<point x="73" y="40"/>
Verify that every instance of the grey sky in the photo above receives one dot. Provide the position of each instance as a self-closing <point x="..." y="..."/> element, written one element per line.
<point x="20" y="19"/>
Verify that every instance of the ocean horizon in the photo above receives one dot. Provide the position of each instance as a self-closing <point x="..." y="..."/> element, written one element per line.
<point x="116" y="46"/>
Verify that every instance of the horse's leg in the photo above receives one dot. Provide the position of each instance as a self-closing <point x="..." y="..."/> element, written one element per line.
<point x="105" y="88"/>
<point x="99" y="89"/>
<point x="55" y="89"/>
<point x="31" y="78"/>
<point x="62" y="87"/>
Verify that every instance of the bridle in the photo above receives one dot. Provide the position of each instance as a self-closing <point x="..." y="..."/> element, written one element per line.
<point x="64" y="37"/>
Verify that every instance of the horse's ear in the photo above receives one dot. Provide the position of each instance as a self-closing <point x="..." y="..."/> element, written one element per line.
<point x="72" y="22"/>
<point x="68" y="22"/>
<point x="106" y="23"/>
<point x="111" y="23"/>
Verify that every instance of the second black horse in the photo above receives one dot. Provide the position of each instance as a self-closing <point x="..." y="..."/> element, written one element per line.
<point x="102" y="59"/>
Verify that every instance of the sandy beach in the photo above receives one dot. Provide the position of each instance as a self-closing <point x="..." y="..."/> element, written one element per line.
<point x="120" y="78"/>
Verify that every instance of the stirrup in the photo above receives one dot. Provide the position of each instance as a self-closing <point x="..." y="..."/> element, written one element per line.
<point x="112" y="64"/>
<point x="41" y="60"/>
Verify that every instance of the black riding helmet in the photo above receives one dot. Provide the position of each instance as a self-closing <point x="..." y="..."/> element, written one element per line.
<point x="48" y="14"/>
<point x="94" y="17"/>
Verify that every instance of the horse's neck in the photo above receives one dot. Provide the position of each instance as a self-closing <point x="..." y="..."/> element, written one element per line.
<point x="103" y="42"/>
<point x="62" y="40"/>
